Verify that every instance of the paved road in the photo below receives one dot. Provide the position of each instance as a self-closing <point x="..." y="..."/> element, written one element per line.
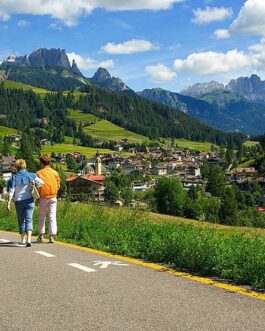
<point x="60" y="288"/>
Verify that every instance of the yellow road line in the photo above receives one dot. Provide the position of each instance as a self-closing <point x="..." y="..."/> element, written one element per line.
<point x="203" y="280"/>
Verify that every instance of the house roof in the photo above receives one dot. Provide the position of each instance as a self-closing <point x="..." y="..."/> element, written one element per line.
<point x="91" y="178"/>
<point x="260" y="209"/>
<point x="242" y="170"/>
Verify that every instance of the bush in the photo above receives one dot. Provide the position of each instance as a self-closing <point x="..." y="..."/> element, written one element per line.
<point x="169" y="196"/>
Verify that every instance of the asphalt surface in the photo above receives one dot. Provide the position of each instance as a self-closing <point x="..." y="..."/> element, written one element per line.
<point x="61" y="288"/>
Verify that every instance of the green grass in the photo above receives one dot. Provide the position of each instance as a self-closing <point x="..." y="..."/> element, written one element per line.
<point x="76" y="94"/>
<point x="18" y="85"/>
<point x="79" y="116"/>
<point x="196" y="247"/>
<point x="68" y="148"/>
<point x="195" y="145"/>
<point x="68" y="140"/>
<point x="247" y="164"/>
<point x="5" y="131"/>
<point x="250" y="143"/>
<point x="105" y="130"/>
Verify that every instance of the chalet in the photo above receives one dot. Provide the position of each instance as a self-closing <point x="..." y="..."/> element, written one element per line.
<point x="193" y="170"/>
<point x="160" y="170"/>
<point x="7" y="164"/>
<point x="118" y="148"/>
<point x="91" y="185"/>
<point x="45" y="142"/>
<point x="188" y="183"/>
<point x="139" y="186"/>
<point x="129" y="167"/>
<point x="75" y="155"/>
<point x="15" y="138"/>
<point x="262" y="209"/>
<point x="240" y="175"/>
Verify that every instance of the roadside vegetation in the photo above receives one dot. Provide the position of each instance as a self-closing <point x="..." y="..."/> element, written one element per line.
<point x="195" y="247"/>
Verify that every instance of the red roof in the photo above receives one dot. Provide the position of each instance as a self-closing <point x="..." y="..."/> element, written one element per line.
<point x="260" y="209"/>
<point x="98" y="179"/>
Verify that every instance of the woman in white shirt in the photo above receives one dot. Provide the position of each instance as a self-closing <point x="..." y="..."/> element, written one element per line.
<point x="20" y="187"/>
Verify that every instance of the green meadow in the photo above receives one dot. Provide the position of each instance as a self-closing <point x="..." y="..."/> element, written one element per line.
<point x="250" y="143"/>
<point x="79" y="116"/>
<point x="5" y="131"/>
<point x="68" y="148"/>
<point x="196" y="145"/>
<point x="18" y="85"/>
<point x="105" y="130"/>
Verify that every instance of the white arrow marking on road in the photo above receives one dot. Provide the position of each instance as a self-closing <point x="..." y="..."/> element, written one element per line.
<point x="44" y="254"/>
<point x="4" y="241"/>
<point x="105" y="264"/>
<point x="81" y="267"/>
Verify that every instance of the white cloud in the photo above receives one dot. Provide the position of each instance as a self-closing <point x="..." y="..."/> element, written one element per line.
<point x="55" y="26"/>
<point x="222" y="34"/>
<point x="211" y="14"/>
<point x="129" y="47"/>
<point x="86" y="63"/>
<point x="257" y="52"/>
<point x="69" y="11"/>
<point x="173" y="47"/>
<point x="160" y="73"/>
<point x="251" y="19"/>
<point x="213" y="63"/>
<point x="22" y="23"/>
<point x="4" y="17"/>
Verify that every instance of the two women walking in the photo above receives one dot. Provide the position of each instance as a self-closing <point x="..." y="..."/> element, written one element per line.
<point x="20" y="188"/>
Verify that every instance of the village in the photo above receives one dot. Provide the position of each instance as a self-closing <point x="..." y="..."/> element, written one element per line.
<point x="142" y="167"/>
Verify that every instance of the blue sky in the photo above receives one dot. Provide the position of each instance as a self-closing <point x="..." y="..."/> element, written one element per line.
<point x="151" y="43"/>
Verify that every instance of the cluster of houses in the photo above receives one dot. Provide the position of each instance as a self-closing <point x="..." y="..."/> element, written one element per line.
<point x="154" y="162"/>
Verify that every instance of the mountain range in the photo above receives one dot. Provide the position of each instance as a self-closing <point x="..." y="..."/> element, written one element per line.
<point x="251" y="88"/>
<point x="238" y="106"/>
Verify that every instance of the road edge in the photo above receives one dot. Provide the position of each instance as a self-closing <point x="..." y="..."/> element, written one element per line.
<point x="199" y="279"/>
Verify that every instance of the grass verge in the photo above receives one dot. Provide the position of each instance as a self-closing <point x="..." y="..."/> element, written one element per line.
<point x="206" y="250"/>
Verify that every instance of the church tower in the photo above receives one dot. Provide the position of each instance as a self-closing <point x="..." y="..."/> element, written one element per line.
<point x="98" y="169"/>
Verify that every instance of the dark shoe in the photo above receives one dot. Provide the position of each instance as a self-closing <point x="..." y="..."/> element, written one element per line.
<point x="40" y="239"/>
<point x="51" y="240"/>
<point x="28" y="245"/>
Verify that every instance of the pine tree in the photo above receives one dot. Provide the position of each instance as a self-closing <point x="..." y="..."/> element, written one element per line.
<point x="25" y="152"/>
<point x="216" y="181"/>
<point x="6" y="148"/>
<point x="229" y="209"/>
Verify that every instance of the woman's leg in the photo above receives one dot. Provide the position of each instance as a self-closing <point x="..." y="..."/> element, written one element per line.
<point x="29" y="209"/>
<point x="52" y="209"/>
<point x="23" y="238"/>
<point x="42" y="213"/>
<point x="21" y="220"/>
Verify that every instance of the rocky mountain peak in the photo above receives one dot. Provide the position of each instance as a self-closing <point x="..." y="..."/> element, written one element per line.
<point x="44" y="57"/>
<point x="75" y="68"/>
<point x="199" y="89"/>
<point x="252" y="88"/>
<point x="101" y="76"/>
